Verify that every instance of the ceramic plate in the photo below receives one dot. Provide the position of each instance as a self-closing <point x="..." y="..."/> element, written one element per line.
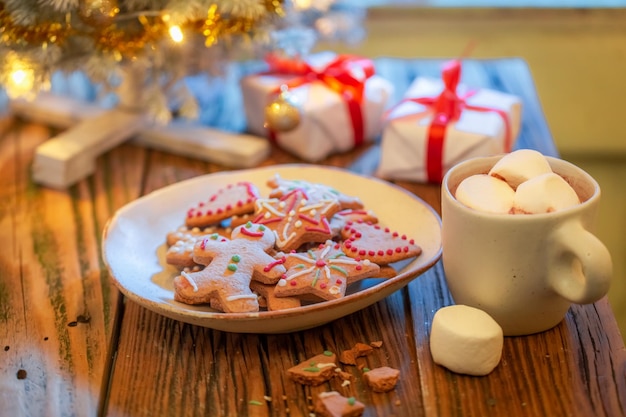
<point x="134" y="248"/>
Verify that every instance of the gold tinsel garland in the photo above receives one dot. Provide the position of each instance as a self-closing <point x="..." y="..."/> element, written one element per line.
<point x="130" y="39"/>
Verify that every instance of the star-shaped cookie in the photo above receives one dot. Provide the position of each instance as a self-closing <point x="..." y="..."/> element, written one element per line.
<point x="314" y="192"/>
<point x="324" y="272"/>
<point x="295" y="219"/>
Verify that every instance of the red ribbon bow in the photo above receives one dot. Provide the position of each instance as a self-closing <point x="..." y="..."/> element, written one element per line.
<point x="346" y="75"/>
<point x="447" y="108"/>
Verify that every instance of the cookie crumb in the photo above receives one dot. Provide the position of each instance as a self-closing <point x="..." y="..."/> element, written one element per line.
<point x="6" y="348"/>
<point x="72" y="324"/>
<point x="267" y="398"/>
<point x="376" y="344"/>
<point x="21" y="374"/>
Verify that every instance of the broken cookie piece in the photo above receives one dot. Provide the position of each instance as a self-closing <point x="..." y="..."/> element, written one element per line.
<point x="381" y="379"/>
<point x="348" y="357"/>
<point x="314" y="371"/>
<point x="333" y="404"/>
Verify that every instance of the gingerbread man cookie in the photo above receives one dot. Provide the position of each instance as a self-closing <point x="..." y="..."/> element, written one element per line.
<point x="232" y="263"/>
<point x="364" y="240"/>
<point x="296" y="220"/>
<point x="234" y="199"/>
<point x="324" y="272"/>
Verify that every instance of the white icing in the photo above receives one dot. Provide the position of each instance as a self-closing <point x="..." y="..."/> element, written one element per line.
<point x="241" y="297"/>
<point x="325" y="365"/>
<point x="312" y="207"/>
<point x="327" y="272"/>
<point x="190" y="281"/>
<point x="299" y="274"/>
<point x="344" y="261"/>
<point x="265" y="205"/>
<point x="282" y="282"/>
<point x="334" y="290"/>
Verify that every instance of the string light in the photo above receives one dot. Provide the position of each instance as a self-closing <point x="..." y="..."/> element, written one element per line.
<point x="21" y="77"/>
<point x="176" y="33"/>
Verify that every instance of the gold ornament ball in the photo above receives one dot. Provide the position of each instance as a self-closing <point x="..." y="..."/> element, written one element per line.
<point x="283" y="114"/>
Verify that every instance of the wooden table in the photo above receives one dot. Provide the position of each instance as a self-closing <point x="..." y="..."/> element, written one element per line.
<point x="72" y="346"/>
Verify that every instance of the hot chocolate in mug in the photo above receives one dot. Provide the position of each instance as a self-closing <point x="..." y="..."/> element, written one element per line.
<point x="525" y="270"/>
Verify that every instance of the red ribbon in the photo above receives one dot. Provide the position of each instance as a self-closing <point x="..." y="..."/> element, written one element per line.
<point x="447" y="108"/>
<point x="346" y="75"/>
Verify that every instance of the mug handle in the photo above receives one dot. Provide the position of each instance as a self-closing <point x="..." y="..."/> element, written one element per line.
<point x="580" y="265"/>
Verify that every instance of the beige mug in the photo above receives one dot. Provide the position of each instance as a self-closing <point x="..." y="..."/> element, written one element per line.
<point x="525" y="270"/>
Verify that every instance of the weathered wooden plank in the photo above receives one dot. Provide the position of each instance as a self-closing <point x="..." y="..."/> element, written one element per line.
<point x="57" y="301"/>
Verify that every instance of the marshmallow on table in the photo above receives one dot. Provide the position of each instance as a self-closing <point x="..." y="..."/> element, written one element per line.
<point x="485" y="193"/>
<point x="519" y="166"/>
<point x="544" y="194"/>
<point x="466" y="340"/>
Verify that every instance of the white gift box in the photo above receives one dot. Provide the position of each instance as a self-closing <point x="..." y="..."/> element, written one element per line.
<point x="404" y="147"/>
<point x="326" y="126"/>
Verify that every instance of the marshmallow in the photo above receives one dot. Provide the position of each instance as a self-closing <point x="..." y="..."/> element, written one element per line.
<point x="544" y="194"/>
<point x="466" y="340"/>
<point x="485" y="193"/>
<point x="519" y="166"/>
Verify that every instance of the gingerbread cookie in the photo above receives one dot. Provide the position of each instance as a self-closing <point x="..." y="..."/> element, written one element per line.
<point x="342" y="217"/>
<point x="268" y="299"/>
<point x="296" y="220"/>
<point x="364" y="240"/>
<point x="324" y="272"/>
<point x="185" y="233"/>
<point x="314" y="192"/>
<point x="183" y="240"/>
<point x="234" y="199"/>
<point x="232" y="264"/>
<point x="180" y="254"/>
